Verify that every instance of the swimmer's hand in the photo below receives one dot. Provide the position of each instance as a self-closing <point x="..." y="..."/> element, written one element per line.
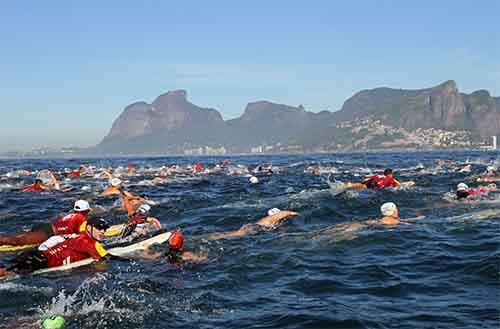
<point x="412" y="219"/>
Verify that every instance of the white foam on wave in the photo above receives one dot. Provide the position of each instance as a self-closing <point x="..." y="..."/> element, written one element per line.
<point x="83" y="301"/>
<point x="17" y="287"/>
<point x="6" y="187"/>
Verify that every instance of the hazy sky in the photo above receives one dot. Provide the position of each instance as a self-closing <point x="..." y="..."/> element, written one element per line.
<point x="68" y="68"/>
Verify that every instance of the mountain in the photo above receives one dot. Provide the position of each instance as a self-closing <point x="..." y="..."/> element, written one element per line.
<point x="441" y="107"/>
<point x="171" y="124"/>
<point x="268" y="123"/>
<point x="169" y="120"/>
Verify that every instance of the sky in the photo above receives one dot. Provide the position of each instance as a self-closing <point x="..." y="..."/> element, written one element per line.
<point x="69" y="68"/>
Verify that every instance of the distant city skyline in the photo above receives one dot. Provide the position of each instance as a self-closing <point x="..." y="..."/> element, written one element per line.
<point x="69" y="69"/>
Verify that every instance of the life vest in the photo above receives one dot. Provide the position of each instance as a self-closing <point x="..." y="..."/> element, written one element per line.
<point x="71" y="223"/>
<point x="55" y="240"/>
<point x="74" y="249"/>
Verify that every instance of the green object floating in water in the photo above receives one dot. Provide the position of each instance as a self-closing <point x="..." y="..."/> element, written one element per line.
<point x="54" y="322"/>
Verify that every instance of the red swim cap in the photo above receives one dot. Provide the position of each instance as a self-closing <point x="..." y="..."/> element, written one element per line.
<point x="176" y="241"/>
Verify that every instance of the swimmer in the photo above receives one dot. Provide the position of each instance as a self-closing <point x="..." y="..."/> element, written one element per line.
<point x="69" y="224"/>
<point x="465" y="169"/>
<point x="390" y="217"/>
<point x="115" y="188"/>
<point x="390" y="214"/>
<point x="130" y="170"/>
<point x="490" y="175"/>
<point x="274" y="217"/>
<point x="137" y="220"/>
<point x="465" y="192"/>
<point x="76" y="172"/>
<point x="132" y="202"/>
<point x="376" y="181"/>
<point x="156" y="181"/>
<point x="197" y="167"/>
<point x="176" y="253"/>
<point x="37" y="186"/>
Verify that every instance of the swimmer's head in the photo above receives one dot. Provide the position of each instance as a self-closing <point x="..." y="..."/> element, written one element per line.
<point x="492" y="187"/>
<point x="389" y="209"/>
<point x="115" y="182"/>
<point x="254" y="180"/>
<point x="462" y="187"/>
<point x="98" y="223"/>
<point x="388" y="172"/>
<point x="54" y="322"/>
<point x="176" y="241"/>
<point x="491" y="169"/>
<point x="273" y="211"/>
<point x="81" y="205"/>
<point x="144" y="209"/>
<point x="96" y="228"/>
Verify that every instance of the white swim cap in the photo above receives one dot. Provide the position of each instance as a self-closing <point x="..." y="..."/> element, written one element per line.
<point x="462" y="187"/>
<point x="254" y="180"/>
<point x="491" y="168"/>
<point x="115" y="182"/>
<point x="144" y="208"/>
<point x="388" y="208"/>
<point x="81" y="205"/>
<point x="273" y="211"/>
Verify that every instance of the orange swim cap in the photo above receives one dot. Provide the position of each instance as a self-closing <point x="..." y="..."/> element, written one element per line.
<point x="176" y="241"/>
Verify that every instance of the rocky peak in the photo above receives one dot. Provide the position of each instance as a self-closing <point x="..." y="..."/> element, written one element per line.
<point x="170" y="111"/>
<point x="448" y="87"/>
<point x="262" y="109"/>
<point x="171" y="100"/>
<point x="482" y="93"/>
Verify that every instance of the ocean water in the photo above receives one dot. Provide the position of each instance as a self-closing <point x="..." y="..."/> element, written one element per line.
<point x="440" y="271"/>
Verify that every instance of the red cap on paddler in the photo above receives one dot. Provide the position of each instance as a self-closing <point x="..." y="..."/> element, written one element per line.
<point x="176" y="241"/>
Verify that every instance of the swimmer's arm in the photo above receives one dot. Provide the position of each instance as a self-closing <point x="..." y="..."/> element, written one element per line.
<point x="45" y="188"/>
<point x="128" y="205"/>
<point x="131" y="197"/>
<point x="413" y="219"/>
<point x="272" y="220"/>
<point x="4" y="272"/>
<point x="107" y="174"/>
<point x="397" y="182"/>
<point x="154" y="221"/>
<point x="110" y="191"/>
<point x="192" y="257"/>
<point x="151" y="256"/>
<point x="366" y="179"/>
<point x="115" y="258"/>
<point x="223" y="235"/>
<point x="106" y="192"/>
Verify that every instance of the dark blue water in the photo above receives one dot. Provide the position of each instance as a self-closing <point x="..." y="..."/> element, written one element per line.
<point x="438" y="272"/>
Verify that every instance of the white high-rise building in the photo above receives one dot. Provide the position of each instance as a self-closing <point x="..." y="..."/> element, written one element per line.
<point x="494" y="144"/>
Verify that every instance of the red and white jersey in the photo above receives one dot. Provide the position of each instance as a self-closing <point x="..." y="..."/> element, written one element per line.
<point x="382" y="181"/>
<point x="71" y="223"/>
<point x="73" y="250"/>
<point x="33" y="187"/>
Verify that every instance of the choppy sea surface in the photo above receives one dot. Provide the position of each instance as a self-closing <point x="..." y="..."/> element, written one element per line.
<point x="441" y="271"/>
